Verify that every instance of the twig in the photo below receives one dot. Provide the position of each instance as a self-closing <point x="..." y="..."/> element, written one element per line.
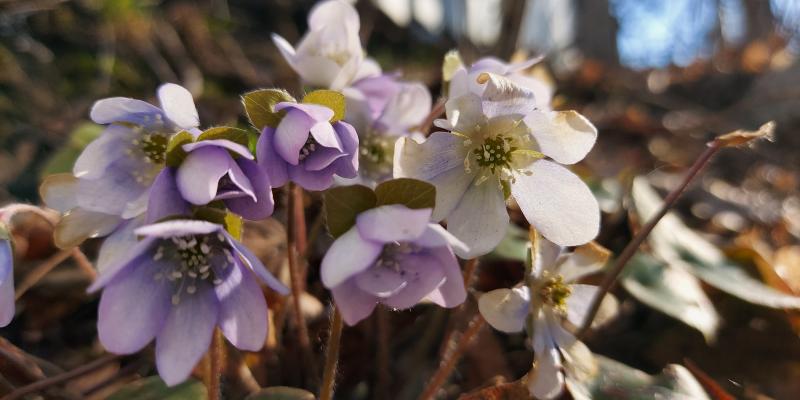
<point x="57" y="379"/>
<point x="294" y="225"/>
<point x="331" y="356"/>
<point x="619" y="264"/>
<point x="450" y="359"/>
<point x="40" y="271"/>
<point x="216" y="354"/>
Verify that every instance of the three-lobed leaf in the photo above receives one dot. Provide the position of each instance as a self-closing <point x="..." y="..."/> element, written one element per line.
<point x="259" y="105"/>
<point x="343" y="204"/>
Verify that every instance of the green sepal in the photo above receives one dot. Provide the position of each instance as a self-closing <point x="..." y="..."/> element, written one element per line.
<point x="328" y="98"/>
<point x="175" y="154"/>
<point x="343" y="204"/>
<point x="411" y="193"/>
<point x="260" y="107"/>
<point x="234" y="225"/>
<point x="235" y="135"/>
<point x="506" y="189"/>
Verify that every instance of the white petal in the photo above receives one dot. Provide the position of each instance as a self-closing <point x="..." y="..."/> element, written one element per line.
<point x="583" y="261"/>
<point x="480" y="219"/>
<point x="286" y="49"/>
<point x="436" y="236"/>
<point x="564" y="136"/>
<point x="58" y="191"/>
<point x="579" y="301"/>
<point x="502" y="97"/>
<point x="506" y="309"/>
<point x="464" y="113"/>
<point x="547" y="381"/>
<point x="79" y="224"/>
<point x="333" y="12"/>
<point x="347" y="256"/>
<point x="408" y="107"/>
<point x="557" y="203"/>
<point x="101" y="152"/>
<point x="178" y="105"/>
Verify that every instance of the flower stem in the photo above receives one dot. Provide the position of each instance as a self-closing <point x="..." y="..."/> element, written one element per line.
<point x="450" y="359"/>
<point x="40" y="271"/>
<point x="619" y="264"/>
<point x="57" y="379"/>
<point x="296" y="226"/>
<point x="216" y="355"/>
<point x="331" y="356"/>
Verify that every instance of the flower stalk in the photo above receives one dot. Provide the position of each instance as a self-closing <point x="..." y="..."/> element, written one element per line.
<point x="216" y="355"/>
<point x="331" y="356"/>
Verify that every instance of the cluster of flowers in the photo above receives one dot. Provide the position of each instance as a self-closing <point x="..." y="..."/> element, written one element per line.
<point x="168" y="195"/>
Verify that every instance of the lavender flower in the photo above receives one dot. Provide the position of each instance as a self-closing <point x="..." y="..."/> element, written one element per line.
<point x="330" y="54"/>
<point x="307" y="148"/>
<point x="393" y="256"/>
<point x="180" y="281"/>
<point x="6" y="278"/>
<point x="383" y="109"/>
<point x="220" y="169"/>
<point x="112" y="176"/>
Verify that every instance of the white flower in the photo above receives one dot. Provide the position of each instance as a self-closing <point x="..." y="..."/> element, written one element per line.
<point x="330" y="53"/>
<point x="464" y="80"/>
<point x="555" y="298"/>
<point x="499" y="144"/>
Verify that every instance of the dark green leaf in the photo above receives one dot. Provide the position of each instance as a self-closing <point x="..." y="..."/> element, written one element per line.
<point x="175" y="153"/>
<point x="328" y="98"/>
<point x="235" y="135"/>
<point x="281" y="393"/>
<point x="260" y="107"/>
<point x="153" y="388"/>
<point x="411" y="193"/>
<point x="343" y="204"/>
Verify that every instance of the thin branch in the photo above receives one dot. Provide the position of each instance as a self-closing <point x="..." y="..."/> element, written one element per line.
<point x="60" y="378"/>
<point x="449" y="362"/>
<point x="331" y="356"/>
<point x="619" y="264"/>
<point x="40" y="271"/>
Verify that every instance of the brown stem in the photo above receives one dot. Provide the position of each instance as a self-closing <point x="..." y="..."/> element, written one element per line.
<point x="469" y="271"/>
<point x="436" y="112"/>
<point x="57" y="379"/>
<point x="450" y="360"/>
<point x="83" y="263"/>
<point x="216" y="355"/>
<point x="619" y="264"/>
<point x="295" y="225"/>
<point x="331" y="356"/>
<point x="40" y="271"/>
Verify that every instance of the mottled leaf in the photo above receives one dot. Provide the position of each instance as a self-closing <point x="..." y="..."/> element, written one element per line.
<point x="343" y="204"/>
<point x="328" y="98"/>
<point x="411" y="193"/>
<point x="259" y="106"/>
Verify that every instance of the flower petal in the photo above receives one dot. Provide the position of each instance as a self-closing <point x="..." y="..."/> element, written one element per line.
<point x="118" y="244"/>
<point x="585" y="260"/>
<point x="347" y="167"/>
<point x="347" y="256"/>
<point x="392" y="223"/>
<point x="505" y="309"/>
<point x="407" y="108"/>
<point x="178" y="105"/>
<point x="133" y="308"/>
<point x="436" y="236"/>
<point x="424" y="273"/>
<point x="6" y="282"/>
<point x="268" y="159"/>
<point x="557" y="203"/>
<point x="336" y="12"/>
<point x="291" y="135"/>
<point x="123" y="109"/>
<point x="140" y="253"/>
<point x="120" y="184"/>
<point x="465" y="112"/>
<point x="179" y="227"/>
<point x="480" y="220"/>
<point x="255" y="264"/>
<point x="380" y="281"/>
<point x="316" y="112"/>
<point x="243" y="310"/>
<point x="564" y="136"/>
<point x="321" y="158"/>
<point x="264" y="204"/>
<point x="101" y="152"/>
<point x="579" y="301"/>
<point x="548" y="380"/>
<point x="353" y="303"/>
<point x="165" y="199"/>
<point x="312" y="180"/>
<point x="223" y="143"/>
<point x="59" y="191"/>
<point x="78" y="225"/>
<point x="324" y="134"/>
<point x="199" y="174"/>
<point x="286" y="49"/>
<point x="186" y="335"/>
<point x="451" y="293"/>
<point x="502" y="97"/>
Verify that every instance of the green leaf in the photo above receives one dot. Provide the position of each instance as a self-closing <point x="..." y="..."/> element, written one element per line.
<point x="411" y="193"/>
<point x="235" y="135"/>
<point x="343" y="204"/>
<point x="281" y="393"/>
<point x="175" y="153"/>
<point x="65" y="157"/>
<point x="260" y="107"/>
<point x="328" y="98"/>
<point x="153" y="388"/>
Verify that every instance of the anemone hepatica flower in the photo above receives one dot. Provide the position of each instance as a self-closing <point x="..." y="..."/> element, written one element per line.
<point x="465" y="80"/>
<point x="393" y="256"/>
<point x="223" y="170"/>
<point x="330" y="54"/>
<point x="383" y="109"/>
<point x="556" y="297"/>
<point x="6" y="277"/>
<point x="307" y="148"/>
<point x="112" y="176"/>
<point x="500" y="144"/>
<point x="180" y="281"/>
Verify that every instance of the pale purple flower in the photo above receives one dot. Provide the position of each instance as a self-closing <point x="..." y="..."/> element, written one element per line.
<point x="499" y="145"/>
<point x="222" y="170"/>
<point x="383" y="109"/>
<point x="184" y="278"/>
<point x="556" y="298"/>
<point x="330" y="54"/>
<point x="6" y="280"/>
<point x="307" y="148"/>
<point x="113" y="174"/>
<point x="395" y="257"/>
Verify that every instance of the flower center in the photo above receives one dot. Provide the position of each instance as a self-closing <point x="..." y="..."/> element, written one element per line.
<point x="392" y="254"/>
<point x="194" y="259"/>
<point x="308" y="148"/>
<point x="555" y="293"/>
<point x="376" y="153"/>
<point x="154" y="147"/>
<point x="495" y="153"/>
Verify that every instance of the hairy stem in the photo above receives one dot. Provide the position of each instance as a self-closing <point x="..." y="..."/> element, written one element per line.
<point x="331" y="356"/>
<point x="451" y="358"/>
<point x="216" y="355"/>
<point x="619" y="264"/>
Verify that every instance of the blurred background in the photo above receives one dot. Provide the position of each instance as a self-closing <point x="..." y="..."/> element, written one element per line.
<point x="658" y="79"/>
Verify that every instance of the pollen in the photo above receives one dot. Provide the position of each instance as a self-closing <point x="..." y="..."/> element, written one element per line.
<point x="494" y="153"/>
<point x="192" y="260"/>
<point x="154" y="147"/>
<point x="555" y="293"/>
<point x="310" y="147"/>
